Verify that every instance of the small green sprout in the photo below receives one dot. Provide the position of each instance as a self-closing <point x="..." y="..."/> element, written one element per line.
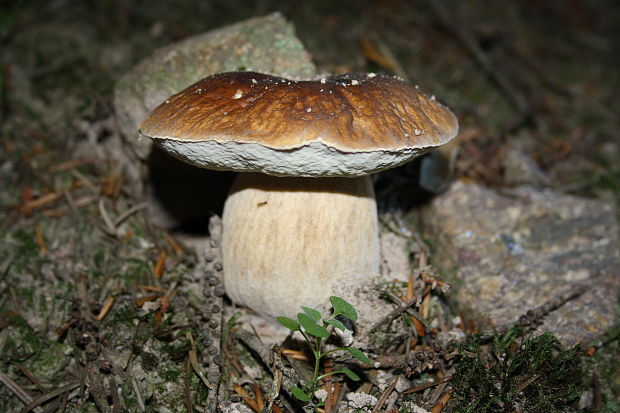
<point x="314" y="330"/>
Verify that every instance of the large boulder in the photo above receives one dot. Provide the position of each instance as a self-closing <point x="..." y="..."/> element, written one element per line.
<point x="514" y="251"/>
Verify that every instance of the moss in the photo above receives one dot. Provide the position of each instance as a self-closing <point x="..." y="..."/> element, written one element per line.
<point x="530" y="373"/>
<point x="134" y="272"/>
<point x="178" y="351"/>
<point x="605" y="363"/>
<point x="607" y="177"/>
<point x="26" y="249"/>
<point x="123" y="316"/>
<point x="49" y="361"/>
<point x="199" y="390"/>
<point x="22" y="342"/>
<point x="171" y="376"/>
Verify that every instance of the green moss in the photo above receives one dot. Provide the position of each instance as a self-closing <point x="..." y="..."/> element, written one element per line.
<point x="134" y="272"/>
<point x="26" y="249"/>
<point x="171" y="375"/>
<point x="49" y="361"/>
<point x="607" y="177"/>
<point x="124" y="315"/>
<point x="22" y="341"/>
<point x="605" y="363"/>
<point x="528" y="372"/>
<point x="177" y="351"/>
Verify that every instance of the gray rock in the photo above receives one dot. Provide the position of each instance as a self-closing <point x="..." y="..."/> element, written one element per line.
<point x="520" y="169"/>
<point x="510" y="253"/>
<point x="230" y="407"/>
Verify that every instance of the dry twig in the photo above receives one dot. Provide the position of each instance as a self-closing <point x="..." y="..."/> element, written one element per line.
<point x="427" y="385"/>
<point x="405" y="307"/>
<point x="193" y="360"/>
<point x="273" y="393"/>
<point x="385" y="395"/>
<point x="54" y="393"/>
<point x="18" y="391"/>
<point x="34" y="379"/>
<point x="533" y="317"/>
<point x="442" y="402"/>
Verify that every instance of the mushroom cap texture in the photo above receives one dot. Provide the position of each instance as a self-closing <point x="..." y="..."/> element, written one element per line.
<point x="347" y="125"/>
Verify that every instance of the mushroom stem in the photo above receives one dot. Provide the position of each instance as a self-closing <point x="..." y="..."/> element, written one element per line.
<point x="288" y="241"/>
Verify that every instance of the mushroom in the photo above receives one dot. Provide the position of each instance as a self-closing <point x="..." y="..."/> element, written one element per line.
<point x="302" y="213"/>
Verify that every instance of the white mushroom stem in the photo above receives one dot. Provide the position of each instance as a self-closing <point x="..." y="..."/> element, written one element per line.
<point x="287" y="241"/>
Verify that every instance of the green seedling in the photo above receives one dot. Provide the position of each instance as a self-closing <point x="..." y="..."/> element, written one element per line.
<point x="315" y="331"/>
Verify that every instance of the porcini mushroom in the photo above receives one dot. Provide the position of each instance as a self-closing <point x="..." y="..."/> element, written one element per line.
<point x="302" y="214"/>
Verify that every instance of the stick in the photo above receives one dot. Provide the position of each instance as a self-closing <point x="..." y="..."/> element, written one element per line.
<point x="384" y="396"/>
<point x="122" y="217"/>
<point x="275" y="390"/>
<point x="398" y="311"/>
<point x="34" y="404"/>
<point x="427" y="385"/>
<point x="18" y="391"/>
<point x="214" y="305"/>
<point x="271" y="359"/>
<point x="533" y="317"/>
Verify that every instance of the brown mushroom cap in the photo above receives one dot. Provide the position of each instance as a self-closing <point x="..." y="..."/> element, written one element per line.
<point x="349" y="125"/>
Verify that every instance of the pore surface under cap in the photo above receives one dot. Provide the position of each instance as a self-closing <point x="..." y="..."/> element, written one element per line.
<point x="349" y="125"/>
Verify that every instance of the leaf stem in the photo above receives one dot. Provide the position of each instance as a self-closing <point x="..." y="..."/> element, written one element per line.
<point x="321" y="377"/>
<point x="317" y="364"/>
<point x="334" y="350"/>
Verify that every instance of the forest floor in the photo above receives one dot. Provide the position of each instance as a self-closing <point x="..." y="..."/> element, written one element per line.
<point x="84" y="275"/>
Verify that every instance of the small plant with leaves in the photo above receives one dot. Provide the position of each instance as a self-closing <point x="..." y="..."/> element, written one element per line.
<point x="315" y="331"/>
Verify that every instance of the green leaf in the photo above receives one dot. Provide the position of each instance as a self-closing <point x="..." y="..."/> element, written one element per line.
<point x="350" y="374"/>
<point x="357" y="353"/>
<point x="288" y="323"/>
<point x="343" y="307"/>
<point x="335" y="323"/>
<point x="300" y="394"/>
<point x="311" y="326"/>
<point x="312" y="313"/>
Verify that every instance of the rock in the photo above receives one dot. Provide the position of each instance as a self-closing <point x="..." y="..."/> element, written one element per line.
<point x="180" y="195"/>
<point x="230" y="407"/>
<point x="520" y="169"/>
<point x="321" y="394"/>
<point x="437" y="168"/>
<point x="355" y="401"/>
<point x="409" y="406"/>
<point x="512" y="252"/>
<point x="395" y="251"/>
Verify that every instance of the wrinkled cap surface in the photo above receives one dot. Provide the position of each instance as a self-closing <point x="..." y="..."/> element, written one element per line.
<point x="348" y="125"/>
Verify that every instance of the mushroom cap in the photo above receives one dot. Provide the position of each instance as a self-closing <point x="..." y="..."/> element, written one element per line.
<point x="347" y="125"/>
